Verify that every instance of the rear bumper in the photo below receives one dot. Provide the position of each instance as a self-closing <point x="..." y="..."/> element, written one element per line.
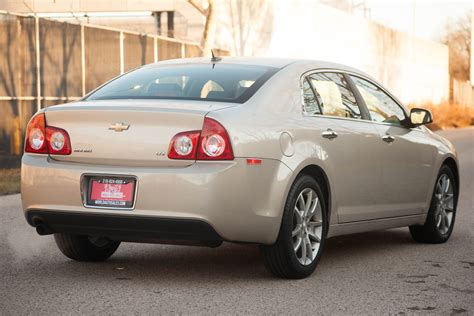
<point x="125" y="228"/>
<point x="240" y="202"/>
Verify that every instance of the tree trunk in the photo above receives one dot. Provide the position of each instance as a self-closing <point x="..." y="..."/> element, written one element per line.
<point x="208" y="34"/>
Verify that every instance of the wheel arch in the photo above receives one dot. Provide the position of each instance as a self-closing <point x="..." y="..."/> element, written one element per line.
<point x="318" y="173"/>
<point x="452" y="164"/>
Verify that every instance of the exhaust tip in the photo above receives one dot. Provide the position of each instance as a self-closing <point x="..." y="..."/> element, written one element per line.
<point x="41" y="228"/>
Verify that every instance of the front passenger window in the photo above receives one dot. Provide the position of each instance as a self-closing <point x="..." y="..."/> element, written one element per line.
<point x="382" y="107"/>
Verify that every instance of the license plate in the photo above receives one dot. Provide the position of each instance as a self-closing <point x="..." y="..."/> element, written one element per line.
<point x="111" y="192"/>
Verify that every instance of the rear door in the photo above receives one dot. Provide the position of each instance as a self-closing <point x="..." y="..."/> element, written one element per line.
<point x="405" y="154"/>
<point x="342" y="129"/>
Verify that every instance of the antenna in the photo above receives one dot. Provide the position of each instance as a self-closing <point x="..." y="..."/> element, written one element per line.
<point x="214" y="58"/>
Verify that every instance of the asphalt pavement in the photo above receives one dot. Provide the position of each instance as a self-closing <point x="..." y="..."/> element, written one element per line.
<point x="382" y="272"/>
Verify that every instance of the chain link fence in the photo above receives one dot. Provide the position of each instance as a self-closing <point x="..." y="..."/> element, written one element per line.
<point x="45" y="62"/>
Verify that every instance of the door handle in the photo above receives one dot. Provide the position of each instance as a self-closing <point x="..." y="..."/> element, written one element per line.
<point x="388" y="138"/>
<point x="329" y="134"/>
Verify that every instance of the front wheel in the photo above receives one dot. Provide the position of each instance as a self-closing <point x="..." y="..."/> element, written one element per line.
<point x="302" y="235"/>
<point x="85" y="248"/>
<point x="440" y="219"/>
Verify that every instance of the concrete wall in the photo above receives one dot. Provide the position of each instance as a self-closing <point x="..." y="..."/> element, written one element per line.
<point x="415" y="70"/>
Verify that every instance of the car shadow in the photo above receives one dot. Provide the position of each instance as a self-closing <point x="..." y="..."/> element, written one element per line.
<point x="226" y="264"/>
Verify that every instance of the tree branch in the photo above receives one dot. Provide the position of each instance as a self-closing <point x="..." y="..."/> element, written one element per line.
<point x="197" y="7"/>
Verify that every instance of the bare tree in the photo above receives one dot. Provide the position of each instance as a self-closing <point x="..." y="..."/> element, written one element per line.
<point x="458" y="39"/>
<point x="248" y="24"/>
<point x="207" y="35"/>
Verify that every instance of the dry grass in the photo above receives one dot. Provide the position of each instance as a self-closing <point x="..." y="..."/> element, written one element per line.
<point x="9" y="181"/>
<point x="447" y="115"/>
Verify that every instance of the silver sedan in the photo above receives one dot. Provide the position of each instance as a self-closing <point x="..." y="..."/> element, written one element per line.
<point x="280" y="153"/>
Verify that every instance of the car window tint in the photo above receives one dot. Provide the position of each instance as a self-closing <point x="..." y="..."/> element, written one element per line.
<point x="309" y="100"/>
<point x="382" y="107"/>
<point x="334" y="95"/>
<point x="218" y="82"/>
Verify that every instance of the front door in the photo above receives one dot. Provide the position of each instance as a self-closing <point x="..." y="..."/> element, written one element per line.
<point x="406" y="156"/>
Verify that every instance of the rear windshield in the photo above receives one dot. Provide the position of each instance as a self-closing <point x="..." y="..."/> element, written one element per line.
<point x="218" y="82"/>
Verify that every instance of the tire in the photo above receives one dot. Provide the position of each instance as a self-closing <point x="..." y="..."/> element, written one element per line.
<point x="280" y="258"/>
<point x="436" y="230"/>
<point x="85" y="248"/>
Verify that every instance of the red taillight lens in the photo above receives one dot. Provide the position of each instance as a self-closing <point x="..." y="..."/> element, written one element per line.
<point x="58" y="141"/>
<point x="43" y="139"/>
<point x="214" y="143"/>
<point x="36" y="135"/>
<point x="184" y="145"/>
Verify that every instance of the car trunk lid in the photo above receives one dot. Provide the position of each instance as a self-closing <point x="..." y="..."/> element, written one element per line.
<point x="127" y="132"/>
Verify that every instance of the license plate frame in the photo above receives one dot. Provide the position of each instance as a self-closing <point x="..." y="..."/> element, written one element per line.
<point x="97" y="184"/>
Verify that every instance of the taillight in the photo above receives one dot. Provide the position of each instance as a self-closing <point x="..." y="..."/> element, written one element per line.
<point x="36" y="135"/>
<point x="212" y="143"/>
<point x="184" y="145"/>
<point x="58" y="141"/>
<point x="43" y="139"/>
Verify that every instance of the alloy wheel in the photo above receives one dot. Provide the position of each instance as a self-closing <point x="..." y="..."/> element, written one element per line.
<point x="444" y="210"/>
<point x="307" y="226"/>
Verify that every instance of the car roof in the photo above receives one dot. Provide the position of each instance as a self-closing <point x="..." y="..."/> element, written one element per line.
<point x="264" y="61"/>
<point x="257" y="61"/>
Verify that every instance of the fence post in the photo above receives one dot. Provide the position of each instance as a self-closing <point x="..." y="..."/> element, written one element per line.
<point x="183" y="50"/>
<point x="155" y="49"/>
<point x="38" y="65"/>
<point x="121" y="54"/>
<point x="83" y="60"/>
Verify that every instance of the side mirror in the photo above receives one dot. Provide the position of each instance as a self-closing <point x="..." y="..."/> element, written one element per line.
<point x="420" y="117"/>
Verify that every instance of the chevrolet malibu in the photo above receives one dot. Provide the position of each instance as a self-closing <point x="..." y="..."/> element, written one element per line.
<point x="280" y="153"/>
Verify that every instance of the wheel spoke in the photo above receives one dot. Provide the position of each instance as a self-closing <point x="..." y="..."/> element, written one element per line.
<point x="449" y="200"/>
<point x="446" y="185"/>
<point x="303" y="249"/>
<point x="301" y="204"/>
<point x="312" y="209"/>
<point x="439" y="217"/>
<point x="310" y="249"/>
<point x="314" y="224"/>
<point x="309" y="199"/>
<point x="314" y="235"/>
<point x="446" y="221"/>
<point x="298" y="244"/>
<point x="296" y="230"/>
<point x="299" y="215"/>
<point x="439" y="188"/>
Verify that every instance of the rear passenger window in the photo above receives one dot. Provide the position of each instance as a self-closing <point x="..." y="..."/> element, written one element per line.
<point x="311" y="106"/>
<point x="332" y="96"/>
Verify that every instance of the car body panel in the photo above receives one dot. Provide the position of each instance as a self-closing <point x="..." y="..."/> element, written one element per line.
<point x="233" y="197"/>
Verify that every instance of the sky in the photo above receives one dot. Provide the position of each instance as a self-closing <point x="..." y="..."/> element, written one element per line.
<point x="423" y="18"/>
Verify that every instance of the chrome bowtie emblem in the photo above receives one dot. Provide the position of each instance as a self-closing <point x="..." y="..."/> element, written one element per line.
<point x="119" y="127"/>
